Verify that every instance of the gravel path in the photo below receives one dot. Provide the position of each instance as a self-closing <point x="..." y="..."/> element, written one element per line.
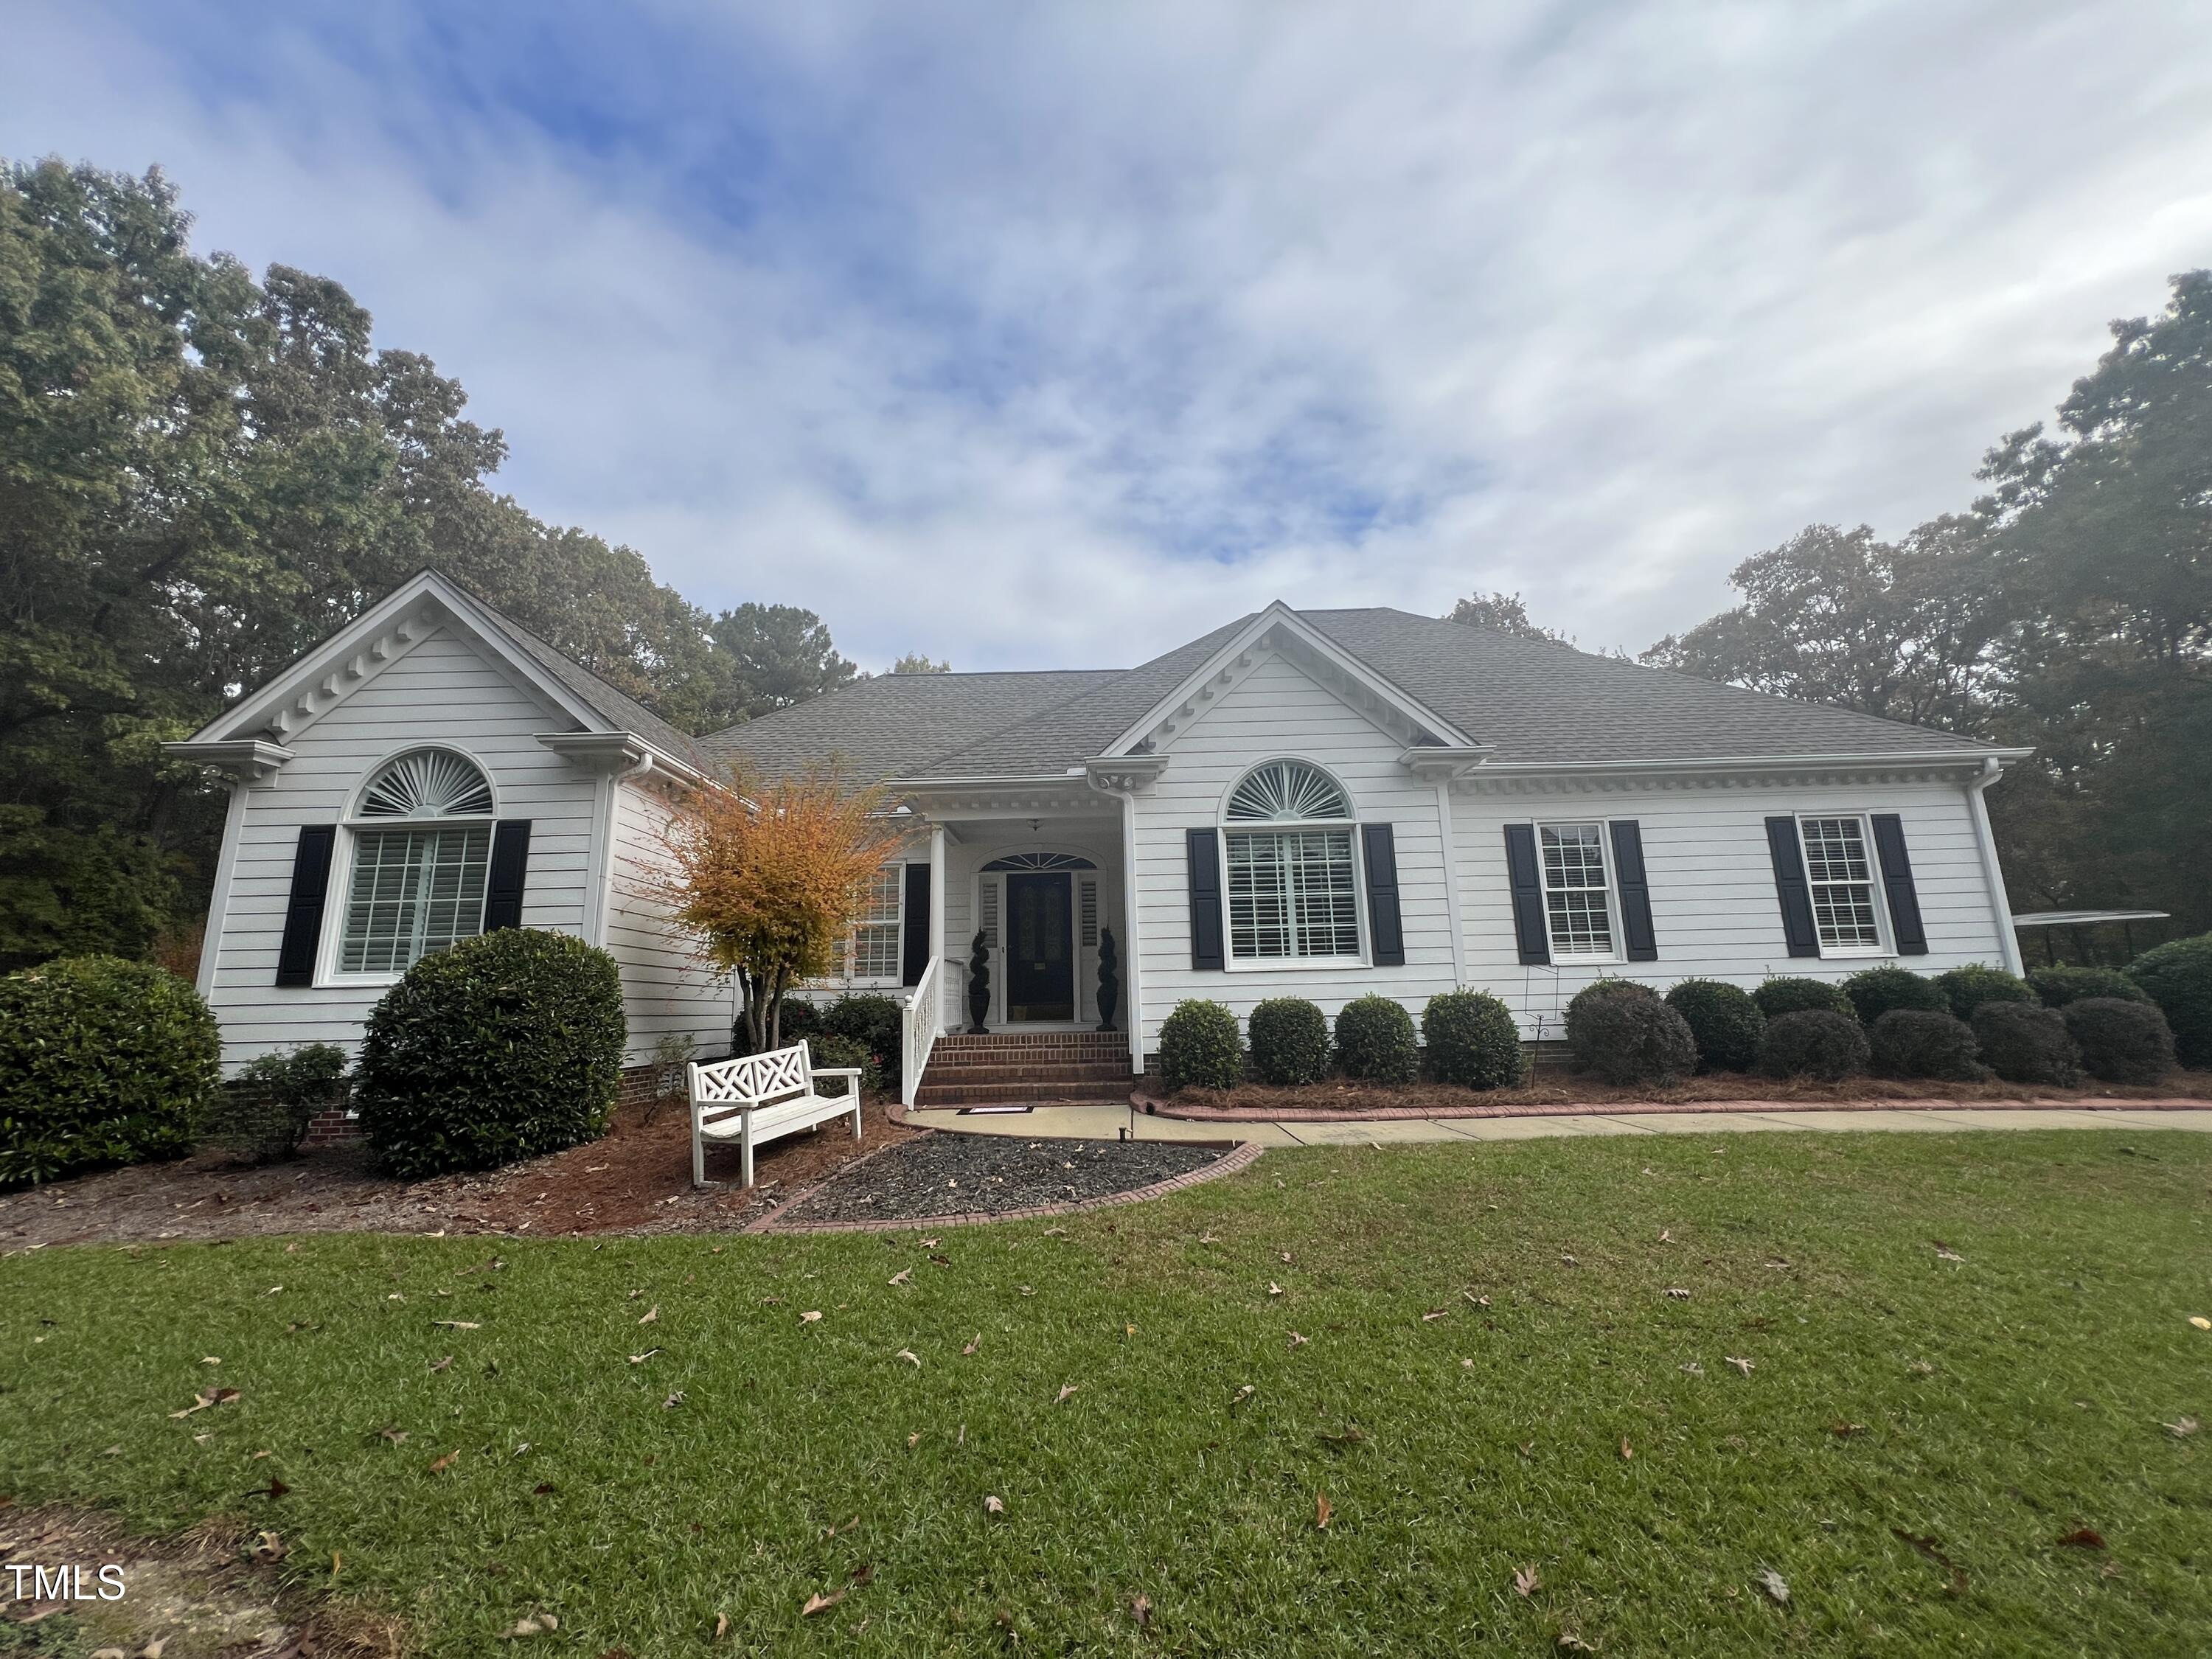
<point x="942" y="1175"/>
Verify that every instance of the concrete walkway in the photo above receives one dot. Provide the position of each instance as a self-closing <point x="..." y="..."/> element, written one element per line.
<point x="1104" y="1122"/>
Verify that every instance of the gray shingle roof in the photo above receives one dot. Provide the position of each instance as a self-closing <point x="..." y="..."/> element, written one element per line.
<point x="1530" y="700"/>
<point x="617" y="707"/>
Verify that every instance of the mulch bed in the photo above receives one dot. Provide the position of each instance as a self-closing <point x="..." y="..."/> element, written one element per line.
<point x="636" y="1179"/>
<point x="942" y="1176"/>
<point x="1552" y="1094"/>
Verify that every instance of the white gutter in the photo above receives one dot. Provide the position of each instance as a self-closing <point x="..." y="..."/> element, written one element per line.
<point x="2000" y="757"/>
<point x="1985" y="841"/>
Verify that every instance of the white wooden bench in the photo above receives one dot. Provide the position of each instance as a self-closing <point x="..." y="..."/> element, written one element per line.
<point x="759" y="1098"/>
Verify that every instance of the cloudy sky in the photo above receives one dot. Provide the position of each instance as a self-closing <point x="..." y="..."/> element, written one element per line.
<point x="1046" y="335"/>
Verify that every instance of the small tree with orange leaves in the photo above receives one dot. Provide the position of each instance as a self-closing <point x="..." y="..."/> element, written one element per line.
<point x="769" y="875"/>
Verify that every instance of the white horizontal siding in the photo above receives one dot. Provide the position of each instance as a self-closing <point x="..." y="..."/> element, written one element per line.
<point x="442" y="691"/>
<point x="666" y="989"/>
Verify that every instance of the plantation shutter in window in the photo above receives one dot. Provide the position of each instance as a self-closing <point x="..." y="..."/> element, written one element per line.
<point x="914" y="954"/>
<point x="303" y="912"/>
<point x="510" y="863"/>
<point x="1635" y="891"/>
<point x="1905" y="921"/>
<point x="1790" y="887"/>
<point x="1529" y="931"/>
<point x="1385" y="925"/>
<point x="1202" y="848"/>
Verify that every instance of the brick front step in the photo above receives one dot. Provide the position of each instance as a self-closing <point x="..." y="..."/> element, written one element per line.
<point x="1045" y="1070"/>
<point x="1086" y="1043"/>
<point x="993" y="1094"/>
<point x="1009" y="1066"/>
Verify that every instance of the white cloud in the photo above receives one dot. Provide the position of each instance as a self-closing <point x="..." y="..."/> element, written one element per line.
<point x="1058" y="334"/>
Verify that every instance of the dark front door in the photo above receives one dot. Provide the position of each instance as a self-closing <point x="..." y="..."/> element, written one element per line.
<point x="1040" y="966"/>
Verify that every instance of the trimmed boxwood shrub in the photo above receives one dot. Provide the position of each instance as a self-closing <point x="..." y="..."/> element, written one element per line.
<point x="2063" y="983"/>
<point x="1816" y="1043"/>
<point x="1580" y="1004"/>
<point x="829" y="1051"/>
<point x="262" y="1116"/>
<point x="101" y="1062"/>
<point x="2120" y="1041"/>
<point x="2177" y="975"/>
<point x="2028" y="1043"/>
<point x="1878" y="990"/>
<point x="1290" y="1041"/>
<point x="1724" y="1019"/>
<point x="1795" y="994"/>
<point x="1375" y="1041"/>
<point x="1925" y="1042"/>
<point x="1472" y="1039"/>
<point x="505" y="1047"/>
<point x="1967" y="988"/>
<point x="877" y="1023"/>
<point x="1635" y="1040"/>
<point x="1200" y="1048"/>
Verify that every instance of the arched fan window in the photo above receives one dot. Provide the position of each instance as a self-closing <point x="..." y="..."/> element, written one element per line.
<point x="1293" y="891"/>
<point x="430" y="783"/>
<point x="1287" y="792"/>
<point x="417" y="889"/>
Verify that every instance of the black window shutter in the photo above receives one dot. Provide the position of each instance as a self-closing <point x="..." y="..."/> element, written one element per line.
<point x="303" y="911"/>
<point x="510" y="865"/>
<point x="1635" y="890"/>
<point x="1897" y="883"/>
<point x="1528" y="926"/>
<point x="1790" y="887"/>
<point x="1201" y="847"/>
<point x="1386" y="927"/>
<point x="914" y="951"/>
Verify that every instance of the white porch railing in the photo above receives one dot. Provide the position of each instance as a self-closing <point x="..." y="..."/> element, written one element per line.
<point x="920" y="1023"/>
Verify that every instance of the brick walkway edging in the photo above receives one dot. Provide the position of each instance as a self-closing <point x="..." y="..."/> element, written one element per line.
<point x="1235" y="1114"/>
<point x="1239" y="1156"/>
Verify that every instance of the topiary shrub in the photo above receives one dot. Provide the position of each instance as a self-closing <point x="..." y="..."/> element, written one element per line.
<point x="505" y="1047"/>
<point x="2060" y="985"/>
<point x="877" y="1024"/>
<point x="1793" y="994"/>
<point x="1375" y="1041"/>
<point x="1580" y="1006"/>
<point x="1878" y="990"/>
<point x="2120" y="1041"/>
<point x="1925" y="1042"/>
<point x="1724" y="1019"/>
<point x="2177" y="975"/>
<point x="1200" y="1048"/>
<point x="828" y="1051"/>
<point x="1967" y="988"/>
<point x="264" y="1115"/>
<point x="1822" y="1043"/>
<point x="2026" y="1042"/>
<point x="1472" y="1039"/>
<point x="1290" y="1041"/>
<point x="1628" y="1040"/>
<point x="101" y="1062"/>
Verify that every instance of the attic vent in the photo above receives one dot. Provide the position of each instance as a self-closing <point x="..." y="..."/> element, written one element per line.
<point x="430" y="783"/>
<point x="1287" y="792"/>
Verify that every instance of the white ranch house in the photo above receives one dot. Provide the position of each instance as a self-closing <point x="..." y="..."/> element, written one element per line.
<point x="1313" y="803"/>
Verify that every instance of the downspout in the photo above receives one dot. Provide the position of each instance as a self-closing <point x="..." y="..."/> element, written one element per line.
<point x="1985" y="841"/>
<point x="1451" y="882"/>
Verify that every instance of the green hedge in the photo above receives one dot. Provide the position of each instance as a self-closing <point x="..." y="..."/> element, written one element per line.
<point x="2178" y="977"/>
<point x="1375" y="1041"/>
<point x="2026" y="1042"/>
<point x="101" y="1062"/>
<point x="1876" y="991"/>
<point x="1795" y="994"/>
<point x="877" y="1024"/>
<point x="1932" y="1042"/>
<point x="2063" y="983"/>
<point x="1472" y="1039"/>
<point x="1969" y="987"/>
<point x="506" y="1047"/>
<point x="1629" y="1040"/>
<point x="2120" y="1041"/>
<point x="1290" y="1041"/>
<point x="1724" y="1021"/>
<point x="1200" y="1048"/>
<point x="262" y="1116"/>
<point x="1815" y="1042"/>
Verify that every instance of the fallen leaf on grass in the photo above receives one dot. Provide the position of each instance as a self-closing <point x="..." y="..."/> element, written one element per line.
<point x="1054" y="1232"/>
<point x="1207" y="1238"/>
<point x="1739" y="1362"/>
<point x="863" y="1576"/>
<point x="1776" y="1586"/>
<point x="1525" y="1579"/>
<point x="537" y="1623"/>
<point x="1569" y="1642"/>
<point x="1479" y="1301"/>
<point x="1627" y="1451"/>
<point x="910" y="1356"/>
<point x="2084" y="1538"/>
<point x="1844" y="1431"/>
<point x="2201" y="1322"/>
<point x="275" y="1488"/>
<point x="914" y="1440"/>
<point x="1273" y="1289"/>
<point x="810" y="1317"/>
<point x="207" y="1397"/>
<point x="268" y="1549"/>
<point x="1929" y="1547"/>
<point x="1140" y="1609"/>
<point x="1678" y="1293"/>
<point x="1434" y="1314"/>
<point x="651" y="1315"/>
<point x="993" y="1506"/>
<point x="1241" y="1394"/>
<point x="931" y="1243"/>
<point x="1026" y="1290"/>
<point x="673" y="1402"/>
<point x="821" y="1603"/>
<point x="639" y="1358"/>
<point x="1569" y="1259"/>
<point x="1666" y="1235"/>
<point x="722" y="1625"/>
<point x="1921" y="1368"/>
<point x="1945" y="1253"/>
<point x="1066" y="1392"/>
<point x="900" y="1277"/>
<point x="457" y="1324"/>
<point x="542" y="1489"/>
<point x="211" y="1360"/>
<point x="2180" y="1428"/>
<point x="1322" y="1511"/>
<point x="440" y="1364"/>
<point x="1297" y="1341"/>
<point x="1693" y="1369"/>
<point x="446" y="1462"/>
<point x="1352" y="1435"/>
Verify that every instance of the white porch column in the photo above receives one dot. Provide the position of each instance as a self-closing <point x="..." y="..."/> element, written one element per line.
<point x="1133" y="953"/>
<point x="937" y="894"/>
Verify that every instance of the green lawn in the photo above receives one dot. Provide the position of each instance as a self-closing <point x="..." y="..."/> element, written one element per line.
<point x="2005" y="1401"/>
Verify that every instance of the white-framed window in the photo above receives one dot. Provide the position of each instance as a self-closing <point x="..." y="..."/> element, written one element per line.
<point x="1577" y="894"/>
<point x="422" y="853"/>
<point x="873" y="947"/>
<point x="1839" y="871"/>
<point x="1293" y="887"/>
